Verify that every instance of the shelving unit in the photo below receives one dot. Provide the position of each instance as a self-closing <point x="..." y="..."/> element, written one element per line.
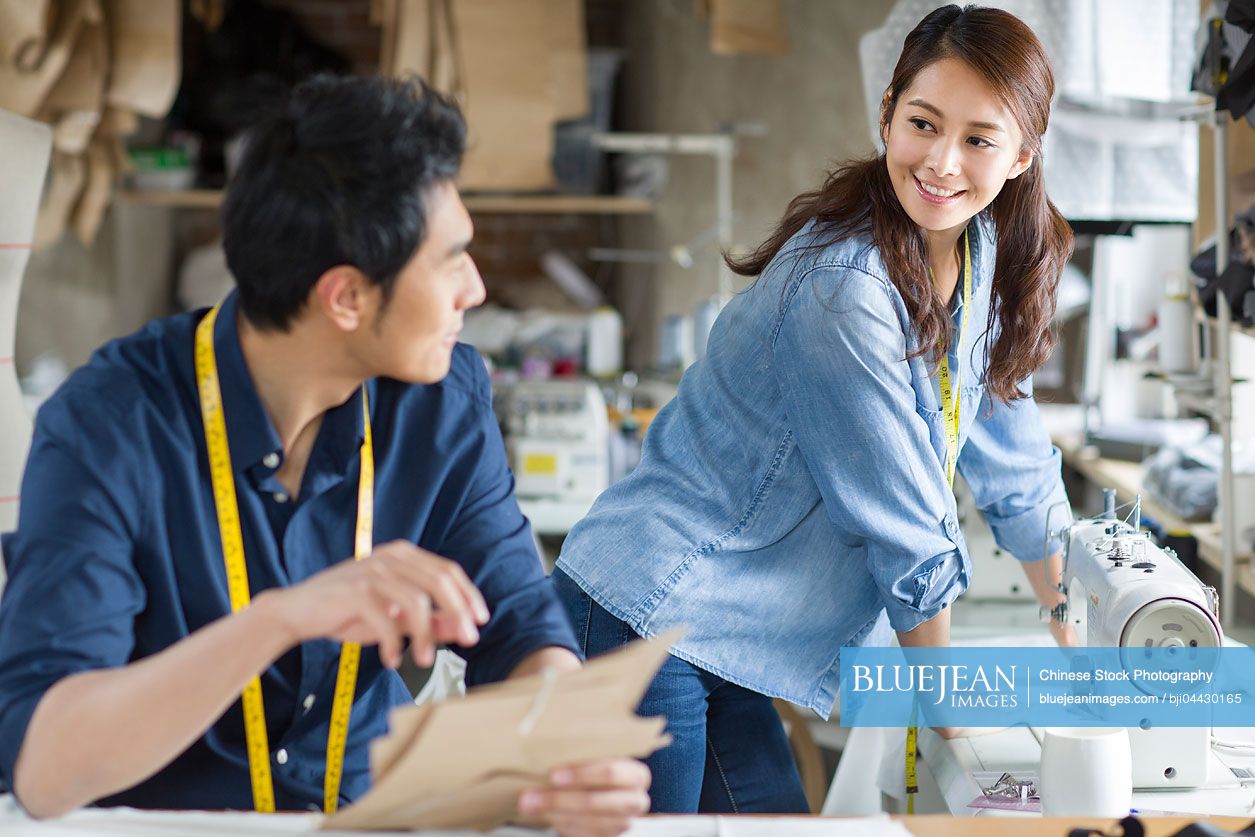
<point x="1222" y="392"/>
<point x="1249" y="331"/>
<point x="504" y="204"/>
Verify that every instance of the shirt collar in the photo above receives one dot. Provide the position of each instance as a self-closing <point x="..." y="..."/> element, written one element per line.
<point x="250" y="432"/>
<point x="254" y="442"/>
<point x="339" y="440"/>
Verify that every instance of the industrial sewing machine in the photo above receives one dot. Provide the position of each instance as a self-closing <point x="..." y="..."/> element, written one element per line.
<point x="1123" y="590"/>
<point x="557" y="437"/>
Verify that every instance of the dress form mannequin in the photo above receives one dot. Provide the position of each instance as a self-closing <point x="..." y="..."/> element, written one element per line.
<point x="24" y="150"/>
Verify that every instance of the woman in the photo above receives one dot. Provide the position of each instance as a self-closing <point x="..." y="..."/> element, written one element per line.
<point x="796" y="494"/>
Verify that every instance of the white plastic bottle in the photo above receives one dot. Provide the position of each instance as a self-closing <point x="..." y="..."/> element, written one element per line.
<point x="604" y="355"/>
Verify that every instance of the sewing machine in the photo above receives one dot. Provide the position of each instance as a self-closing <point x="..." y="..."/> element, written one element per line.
<point x="557" y="438"/>
<point x="1123" y="590"/>
<point x="1120" y="606"/>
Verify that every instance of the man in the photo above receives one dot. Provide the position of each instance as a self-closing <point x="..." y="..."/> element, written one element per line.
<point x="122" y="662"/>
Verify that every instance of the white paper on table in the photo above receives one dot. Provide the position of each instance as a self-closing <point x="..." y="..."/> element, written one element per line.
<point x="686" y="825"/>
<point x="812" y="827"/>
<point x="891" y="775"/>
<point x="129" y="822"/>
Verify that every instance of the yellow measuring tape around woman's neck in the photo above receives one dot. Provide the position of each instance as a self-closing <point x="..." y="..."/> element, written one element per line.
<point x="950" y="397"/>
<point x="222" y="475"/>
<point x="951" y="400"/>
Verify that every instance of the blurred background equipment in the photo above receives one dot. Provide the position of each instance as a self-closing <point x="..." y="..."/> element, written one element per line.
<point x="558" y="440"/>
<point x="26" y="146"/>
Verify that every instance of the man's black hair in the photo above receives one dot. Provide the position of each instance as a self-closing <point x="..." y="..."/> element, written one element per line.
<point x="339" y="176"/>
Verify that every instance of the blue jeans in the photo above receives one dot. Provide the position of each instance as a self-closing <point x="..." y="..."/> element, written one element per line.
<point x="728" y="754"/>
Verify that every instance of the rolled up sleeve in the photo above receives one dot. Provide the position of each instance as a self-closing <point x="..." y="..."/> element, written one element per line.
<point x="1015" y="475"/>
<point x="73" y="591"/>
<point x="839" y="356"/>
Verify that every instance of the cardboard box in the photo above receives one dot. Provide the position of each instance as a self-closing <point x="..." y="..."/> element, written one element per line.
<point x="515" y="66"/>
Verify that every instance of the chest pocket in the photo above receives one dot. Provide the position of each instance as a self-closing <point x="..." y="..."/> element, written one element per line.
<point x="970" y="407"/>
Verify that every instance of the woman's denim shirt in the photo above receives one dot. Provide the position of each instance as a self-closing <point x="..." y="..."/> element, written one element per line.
<point x="794" y="491"/>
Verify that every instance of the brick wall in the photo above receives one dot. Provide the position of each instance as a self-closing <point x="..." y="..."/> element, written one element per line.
<point x="508" y="248"/>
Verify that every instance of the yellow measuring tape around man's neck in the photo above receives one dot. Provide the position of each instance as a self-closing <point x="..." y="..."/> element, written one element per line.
<point x="222" y="476"/>
<point x="951" y="401"/>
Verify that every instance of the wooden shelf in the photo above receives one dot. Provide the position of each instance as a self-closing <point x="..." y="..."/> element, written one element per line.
<point x="559" y="204"/>
<point x="1235" y="325"/>
<point x="184" y="198"/>
<point x="1126" y="479"/>
<point x="1249" y="331"/>
<point x="483" y="204"/>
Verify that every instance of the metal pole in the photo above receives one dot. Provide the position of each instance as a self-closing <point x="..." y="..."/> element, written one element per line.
<point x="1223" y="374"/>
<point x="710" y="144"/>
<point x="723" y="217"/>
<point x="722" y="147"/>
<point x="1099" y="342"/>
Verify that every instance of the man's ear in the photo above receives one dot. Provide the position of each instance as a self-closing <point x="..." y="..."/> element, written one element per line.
<point x="342" y="295"/>
<point x="1021" y="165"/>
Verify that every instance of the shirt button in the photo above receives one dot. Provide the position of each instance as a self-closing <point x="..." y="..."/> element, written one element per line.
<point x="280" y="497"/>
<point x="308" y="703"/>
<point x="270" y="460"/>
<point x="282" y="757"/>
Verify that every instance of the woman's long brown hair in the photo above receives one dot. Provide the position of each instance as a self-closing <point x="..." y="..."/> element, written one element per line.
<point x="1034" y="241"/>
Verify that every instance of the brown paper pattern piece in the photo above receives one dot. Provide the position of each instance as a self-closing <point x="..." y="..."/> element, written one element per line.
<point x="24" y="91"/>
<point x="69" y="172"/>
<point x="463" y="763"/>
<point x="568" y="60"/>
<point x="24" y="27"/>
<point x="748" y="27"/>
<point x="505" y="74"/>
<point x="147" y="62"/>
<point x="90" y="210"/>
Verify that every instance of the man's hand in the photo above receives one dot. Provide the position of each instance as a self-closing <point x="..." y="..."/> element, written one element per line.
<point x="596" y="799"/>
<point x="98" y="732"/>
<point x="398" y="591"/>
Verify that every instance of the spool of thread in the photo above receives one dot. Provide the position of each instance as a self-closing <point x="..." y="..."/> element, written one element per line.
<point x="1178" y="336"/>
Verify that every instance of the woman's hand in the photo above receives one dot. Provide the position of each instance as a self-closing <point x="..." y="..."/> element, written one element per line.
<point x="951" y="733"/>
<point x="1063" y="633"/>
<point x="400" y="591"/>
<point x="595" y="799"/>
<point x="1044" y="576"/>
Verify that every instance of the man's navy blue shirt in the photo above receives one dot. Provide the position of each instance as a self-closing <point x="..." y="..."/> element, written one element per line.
<point x="117" y="554"/>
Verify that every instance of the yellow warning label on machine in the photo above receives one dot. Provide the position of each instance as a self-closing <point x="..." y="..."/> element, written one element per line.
<point x="540" y="463"/>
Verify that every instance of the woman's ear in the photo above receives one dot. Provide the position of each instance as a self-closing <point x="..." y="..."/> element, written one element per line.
<point x="884" y="115"/>
<point x="1021" y="165"/>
